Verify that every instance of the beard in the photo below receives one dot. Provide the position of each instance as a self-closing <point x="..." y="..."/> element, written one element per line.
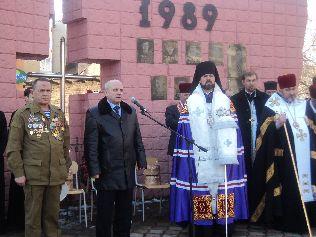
<point x="291" y="99"/>
<point x="208" y="86"/>
<point x="251" y="89"/>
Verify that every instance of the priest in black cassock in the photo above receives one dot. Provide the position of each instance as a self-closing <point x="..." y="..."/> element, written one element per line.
<point x="278" y="199"/>
<point x="173" y="113"/>
<point x="249" y="103"/>
<point x="311" y="122"/>
<point x="15" y="214"/>
<point x="3" y="142"/>
<point x="270" y="87"/>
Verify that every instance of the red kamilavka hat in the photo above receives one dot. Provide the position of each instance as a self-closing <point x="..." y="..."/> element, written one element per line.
<point x="287" y="81"/>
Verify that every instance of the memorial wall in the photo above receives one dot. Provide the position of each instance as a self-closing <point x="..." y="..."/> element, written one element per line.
<point x="152" y="45"/>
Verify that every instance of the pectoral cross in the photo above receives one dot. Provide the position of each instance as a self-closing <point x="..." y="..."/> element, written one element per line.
<point x="251" y="120"/>
<point x="301" y="135"/>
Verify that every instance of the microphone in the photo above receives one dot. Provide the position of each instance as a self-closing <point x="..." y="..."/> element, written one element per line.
<point x="136" y="102"/>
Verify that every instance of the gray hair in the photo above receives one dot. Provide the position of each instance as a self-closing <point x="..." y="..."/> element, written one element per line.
<point x="109" y="83"/>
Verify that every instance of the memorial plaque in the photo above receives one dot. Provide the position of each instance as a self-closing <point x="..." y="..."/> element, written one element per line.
<point x="215" y="53"/>
<point x="145" y="51"/>
<point x="170" y="52"/>
<point x="177" y="81"/>
<point x="236" y="57"/>
<point x="159" y="88"/>
<point x="193" y="53"/>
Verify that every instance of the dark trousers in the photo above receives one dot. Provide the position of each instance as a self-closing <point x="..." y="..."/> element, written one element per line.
<point x="118" y="202"/>
<point x="15" y="216"/>
<point x="2" y="197"/>
<point x="214" y="230"/>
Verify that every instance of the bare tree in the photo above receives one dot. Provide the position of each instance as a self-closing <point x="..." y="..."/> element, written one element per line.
<point x="309" y="62"/>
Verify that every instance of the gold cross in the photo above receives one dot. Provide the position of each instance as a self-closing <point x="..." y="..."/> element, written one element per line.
<point x="301" y="135"/>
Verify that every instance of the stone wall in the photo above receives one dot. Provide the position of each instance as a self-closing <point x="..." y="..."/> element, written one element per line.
<point x="24" y="35"/>
<point x="263" y="35"/>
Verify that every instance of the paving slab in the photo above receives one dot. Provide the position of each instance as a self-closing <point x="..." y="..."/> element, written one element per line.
<point x="155" y="225"/>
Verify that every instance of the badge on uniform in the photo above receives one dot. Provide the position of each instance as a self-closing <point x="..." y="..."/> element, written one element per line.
<point x="57" y="128"/>
<point x="36" y="125"/>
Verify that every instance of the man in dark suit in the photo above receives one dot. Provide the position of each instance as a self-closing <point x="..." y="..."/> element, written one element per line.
<point x="173" y="113"/>
<point x="113" y="146"/>
<point x="249" y="103"/>
<point x="3" y="142"/>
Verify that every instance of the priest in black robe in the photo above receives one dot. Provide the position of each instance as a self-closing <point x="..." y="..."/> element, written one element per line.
<point x="311" y="122"/>
<point x="278" y="199"/>
<point x="3" y="142"/>
<point x="15" y="215"/>
<point x="249" y="103"/>
<point x="270" y="87"/>
<point x="173" y="114"/>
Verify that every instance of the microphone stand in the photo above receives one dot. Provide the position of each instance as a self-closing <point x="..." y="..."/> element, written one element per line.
<point x="188" y="143"/>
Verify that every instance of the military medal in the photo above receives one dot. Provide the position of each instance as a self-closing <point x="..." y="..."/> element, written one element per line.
<point x="56" y="128"/>
<point x="36" y="125"/>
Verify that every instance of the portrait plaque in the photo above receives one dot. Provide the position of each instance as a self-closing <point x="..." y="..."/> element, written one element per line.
<point x="170" y="52"/>
<point x="215" y="53"/>
<point x="192" y="53"/>
<point x="237" y="58"/>
<point x="145" y="51"/>
<point x="177" y="81"/>
<point x="158" y="88"/>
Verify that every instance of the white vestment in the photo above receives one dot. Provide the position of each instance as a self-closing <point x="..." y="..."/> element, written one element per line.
<point x="295" y="113"/>
<point x="213" y="128"/>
